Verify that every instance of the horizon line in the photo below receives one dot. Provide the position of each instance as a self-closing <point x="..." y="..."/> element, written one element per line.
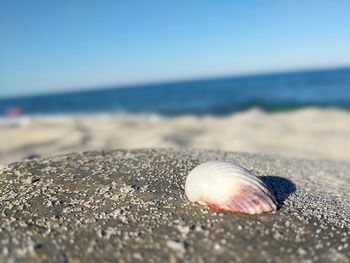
<point x="104" y="87"/>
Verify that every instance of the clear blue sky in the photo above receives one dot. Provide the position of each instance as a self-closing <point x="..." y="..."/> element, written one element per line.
<point x="48" y="46"/>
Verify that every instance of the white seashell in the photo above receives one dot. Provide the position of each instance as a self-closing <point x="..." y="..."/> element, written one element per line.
<point x="224" y="186"/>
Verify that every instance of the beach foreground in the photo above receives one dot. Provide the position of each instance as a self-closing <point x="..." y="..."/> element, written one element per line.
<point x="130" y="206"/>
<point x="308" y="133"/>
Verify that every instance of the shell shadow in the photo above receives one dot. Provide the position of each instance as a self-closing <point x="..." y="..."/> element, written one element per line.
<point x="279" y="186"/>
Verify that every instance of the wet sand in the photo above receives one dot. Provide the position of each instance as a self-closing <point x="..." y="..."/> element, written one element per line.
<point x="130" y="206"/>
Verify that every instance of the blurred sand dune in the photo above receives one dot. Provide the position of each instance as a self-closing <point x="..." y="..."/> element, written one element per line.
<point x="307" y="133"/>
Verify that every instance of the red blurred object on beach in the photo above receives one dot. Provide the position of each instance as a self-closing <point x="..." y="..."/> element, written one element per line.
<point x="14" y="111"/>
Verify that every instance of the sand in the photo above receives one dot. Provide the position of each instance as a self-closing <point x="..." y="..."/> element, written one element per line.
<point x="308" y="133"/>
<point x="130" y="206"/>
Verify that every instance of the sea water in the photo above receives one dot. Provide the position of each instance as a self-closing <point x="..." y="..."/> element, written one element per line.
<point x="219" y="96"/>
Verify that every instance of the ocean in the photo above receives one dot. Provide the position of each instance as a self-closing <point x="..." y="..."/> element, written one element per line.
<point x="220" y="96"/>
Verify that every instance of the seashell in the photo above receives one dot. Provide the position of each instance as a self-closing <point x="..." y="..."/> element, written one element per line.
<point x="224" y="186"/>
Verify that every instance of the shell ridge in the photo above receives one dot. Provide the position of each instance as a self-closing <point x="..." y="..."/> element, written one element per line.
<point x="261" y="185"/>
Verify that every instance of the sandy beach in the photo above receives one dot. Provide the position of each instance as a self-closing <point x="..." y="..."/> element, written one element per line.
<point x="308" y="133"/>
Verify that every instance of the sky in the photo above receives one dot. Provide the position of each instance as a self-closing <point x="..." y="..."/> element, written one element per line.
<point x="50" y="46"/>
